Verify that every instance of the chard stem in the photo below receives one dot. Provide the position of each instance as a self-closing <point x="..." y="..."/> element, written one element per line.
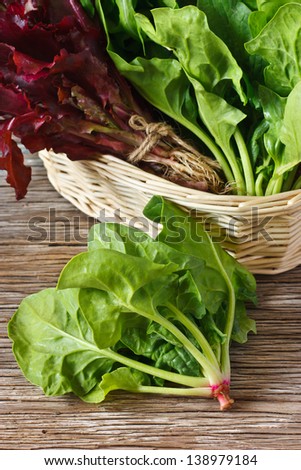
<point x="195" y="391"/>
<point x="246" y="163"/>
<point x="239" y="182"/>
<point x="214" y="376"/>
<point x="214" y="149"/>
<point x="189" y="381"/>
<point x="225" y="347"/>
<point x="198" y="335"/>
<point x="209" y="371"/>
<point x="275" y="185"/>
<point x="258" y="185"/>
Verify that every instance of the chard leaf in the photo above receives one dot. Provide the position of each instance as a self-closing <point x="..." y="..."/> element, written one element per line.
<point x="118" y="237"/>
<point x="132" y="241"/>
<point x="202" y="54"/>
<point x="282" y="139"/>
<point x="197" y="243"/>
<point x="64" y="347"/>
<point x="54" y="346"/>
<point x="177" y="358"/>
<point x="140" y="335"/>
<point x="213" y="333"/>
<point x="206" y="61"/>
<point x="220" y="118"/>
<point x="162" y="333"/>
<point x="157" y="344"/>
<point x="105" y="316"/>
<point x="290" y="134"/>
<point x="136" y="284"/>
<point x="122" y="378"/>
<point x="228" y="19"/>
<point x="124" y="276"/>
<point x="231" y="282"/>
<point x="242" y="324"/>
<point x="273" y="107"/>
<point x="265" y="11"/>
<point x="279" y="44"/>
<point x="189" y="300"/>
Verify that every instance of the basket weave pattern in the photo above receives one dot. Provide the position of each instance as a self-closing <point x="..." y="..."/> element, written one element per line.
<point x="263" y="233"/>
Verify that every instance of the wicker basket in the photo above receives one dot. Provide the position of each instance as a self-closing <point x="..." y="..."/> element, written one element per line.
<point x="261" y="232"/>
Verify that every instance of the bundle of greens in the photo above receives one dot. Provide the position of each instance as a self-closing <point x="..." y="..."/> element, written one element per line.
<point x="138" y="314"/>
<point x="227" y="70"/>
<point x="60" y="90"/>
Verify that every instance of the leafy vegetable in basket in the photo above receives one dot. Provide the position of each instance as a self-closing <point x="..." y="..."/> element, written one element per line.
<point x="138" y="314"/>
<point x="59" y="89"/>
<point x="227" y="70"/>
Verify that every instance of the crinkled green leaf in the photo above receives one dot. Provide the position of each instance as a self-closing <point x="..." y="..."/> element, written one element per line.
<point x="189" y="300"/>
<point x="279" y="45"/>
<point x="132" y="241"/>
<point x="156" y="343"/>
<point x="264" y="12"/>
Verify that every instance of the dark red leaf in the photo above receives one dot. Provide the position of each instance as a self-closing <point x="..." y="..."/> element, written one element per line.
<point x="12" y="160"/>
<point x="12" y="101"/>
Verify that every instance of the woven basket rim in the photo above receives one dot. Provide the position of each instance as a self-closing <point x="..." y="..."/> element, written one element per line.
<point x="192" y="193"/>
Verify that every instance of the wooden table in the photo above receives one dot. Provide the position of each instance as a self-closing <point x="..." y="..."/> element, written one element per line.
<point x="38" y="235"/>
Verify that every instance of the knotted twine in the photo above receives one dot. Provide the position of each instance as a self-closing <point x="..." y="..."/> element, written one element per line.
<point x="182" y="162"/>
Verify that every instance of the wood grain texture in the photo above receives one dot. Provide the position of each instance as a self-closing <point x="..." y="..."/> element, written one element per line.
<point x="37" y="237"/>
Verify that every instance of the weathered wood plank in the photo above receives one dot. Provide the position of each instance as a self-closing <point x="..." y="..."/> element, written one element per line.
<point x="266" y="372"/>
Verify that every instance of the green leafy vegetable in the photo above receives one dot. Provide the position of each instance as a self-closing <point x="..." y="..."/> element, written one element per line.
<point x="204" y="64"/>
<point x="138" y="314"/>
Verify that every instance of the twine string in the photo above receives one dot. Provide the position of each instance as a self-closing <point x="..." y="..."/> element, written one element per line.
<point x="182" y="160"/>
<point x="154" y="133"/>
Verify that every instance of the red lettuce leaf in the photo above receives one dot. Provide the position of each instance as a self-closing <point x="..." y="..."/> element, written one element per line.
<point x="12" y="160"/>
<point x="12" y="101"/>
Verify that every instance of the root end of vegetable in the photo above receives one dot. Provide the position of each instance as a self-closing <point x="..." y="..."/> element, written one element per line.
<point x="221" y="393"/>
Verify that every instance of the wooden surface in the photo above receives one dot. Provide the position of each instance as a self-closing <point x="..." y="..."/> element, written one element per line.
<point x="35" y="243"/>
